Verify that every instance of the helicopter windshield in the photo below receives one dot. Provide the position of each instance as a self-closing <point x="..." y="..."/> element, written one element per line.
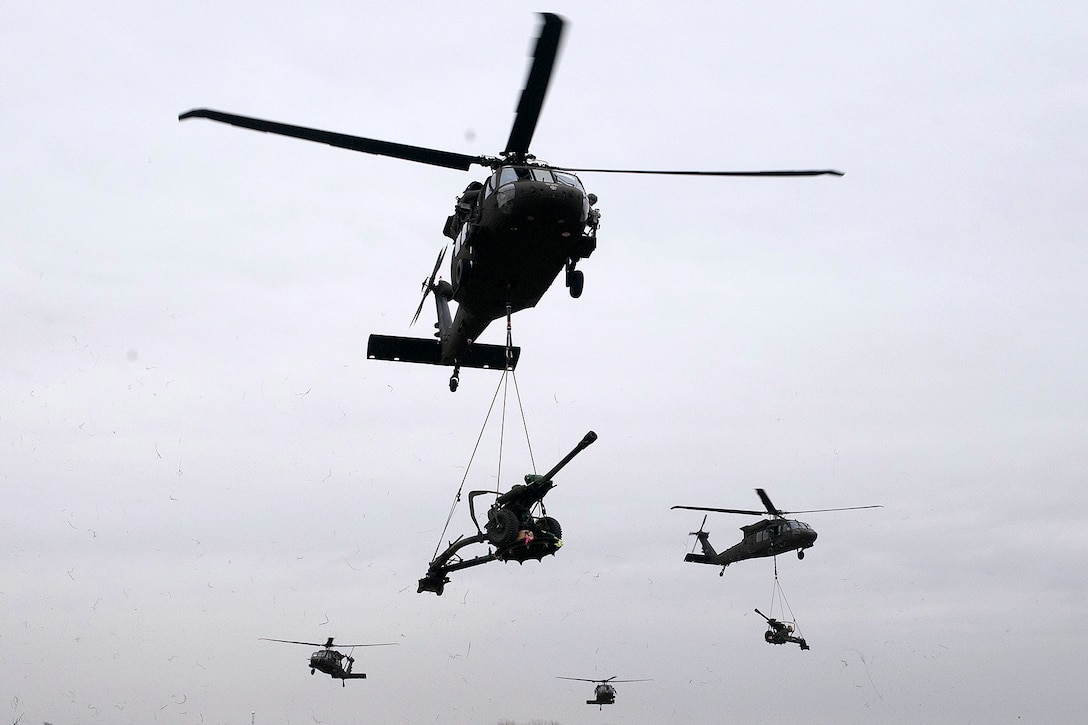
<point x="510" y="174"/>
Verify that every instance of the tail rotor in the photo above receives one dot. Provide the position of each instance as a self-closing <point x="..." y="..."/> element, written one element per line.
<point x="700" y="533"/>
<point x="428" y="284"/>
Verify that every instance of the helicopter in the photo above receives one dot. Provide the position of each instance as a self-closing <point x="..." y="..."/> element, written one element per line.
<point x="604" y="693"/>
<point x="330" y="661"/>
<point x="512" y="233"/>
<point x="512" y="529"/>
<point x="768" y="537"/>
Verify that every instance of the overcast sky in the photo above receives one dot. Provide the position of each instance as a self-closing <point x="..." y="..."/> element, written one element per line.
<point x="197" y="454"/>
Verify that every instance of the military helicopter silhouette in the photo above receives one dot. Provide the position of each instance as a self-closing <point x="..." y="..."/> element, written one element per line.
<point x="330" y="661"/>
<point x="512" y="233"/>
<point x="769" y="537"/>
<point x="604" y="693"/>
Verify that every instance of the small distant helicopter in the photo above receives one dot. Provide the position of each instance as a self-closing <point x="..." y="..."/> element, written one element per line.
<point x="512" y="233"/>
<point x="769" y="537"/>
<point x="329" y="661"/>
<point x="604" y="693"/>
<point x="512" y="527"/>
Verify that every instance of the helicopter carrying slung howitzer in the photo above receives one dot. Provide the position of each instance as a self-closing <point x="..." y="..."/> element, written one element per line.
<point x="512" y="529"/>
<point x="769" y="537"/>
<point x="512" y="233"/>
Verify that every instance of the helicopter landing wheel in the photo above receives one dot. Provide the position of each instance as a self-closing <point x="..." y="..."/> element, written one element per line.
<point x="312" y="670"/>
<point x="576" y="281"/>
<point x="455" y="379"/>
<point x="463" y="272"/>
<point x="800" y="553"/>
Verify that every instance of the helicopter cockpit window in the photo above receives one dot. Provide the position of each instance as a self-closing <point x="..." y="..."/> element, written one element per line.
<point x="569" y="180"/>
<point x="510" y="174"/>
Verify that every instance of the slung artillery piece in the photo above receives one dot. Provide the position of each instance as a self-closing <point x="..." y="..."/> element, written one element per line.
<point x="781" y="632"/>
<point x="513" y="529"/>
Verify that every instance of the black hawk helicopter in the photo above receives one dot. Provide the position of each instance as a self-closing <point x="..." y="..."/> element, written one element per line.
<point x="769" y="537"/>
<point x="512" y="233"/>
<point x="604" y="693"/>
<point x="514" y="531"/>
<point x="330" y="661"/>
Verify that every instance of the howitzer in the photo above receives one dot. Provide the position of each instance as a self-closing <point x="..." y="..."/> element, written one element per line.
<point x="511" y="528"/>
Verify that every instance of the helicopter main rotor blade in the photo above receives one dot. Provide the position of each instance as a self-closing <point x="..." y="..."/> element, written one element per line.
<point x="774" y="513"/>
<point x="536" y="86"/>
<point x="804" y="172"/>
<point x="447" y="159"/>
<point x="326" y="643"/>
<point x="610" y="679"/>
<point x="820" y="511"/>
<point x="771" y="508"/>
<point x="722" y="511"/>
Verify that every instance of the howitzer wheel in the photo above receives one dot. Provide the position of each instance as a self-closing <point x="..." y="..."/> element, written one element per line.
<point x="549" y="525"/>
<point x="502" y="528"/>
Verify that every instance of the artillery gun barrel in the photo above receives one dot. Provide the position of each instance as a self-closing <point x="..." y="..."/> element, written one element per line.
<point x="582" y="445"/>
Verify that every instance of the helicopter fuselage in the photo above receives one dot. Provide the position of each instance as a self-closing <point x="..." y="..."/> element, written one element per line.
<point x="768" y="537"/>
<point x="512" y="235"/>
<point x="330" y="661"/>
<point x="511" y="239"/>
<point x="603" y="694"/>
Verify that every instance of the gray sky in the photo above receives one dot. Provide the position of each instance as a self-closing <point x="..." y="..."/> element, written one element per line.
<point x="197" y="453"/>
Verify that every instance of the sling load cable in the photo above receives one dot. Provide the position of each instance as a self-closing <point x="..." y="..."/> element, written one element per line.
<point x="517" y="391"/>
<point x="508" y="375"/>
<point x="503" y="385"/>
<point x="457" y="497"/>
<point x="783" y="605"/>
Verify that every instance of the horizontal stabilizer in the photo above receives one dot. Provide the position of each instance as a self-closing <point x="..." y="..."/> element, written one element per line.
<point x="429" y="352"/>
<point x="699" y="558"/>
